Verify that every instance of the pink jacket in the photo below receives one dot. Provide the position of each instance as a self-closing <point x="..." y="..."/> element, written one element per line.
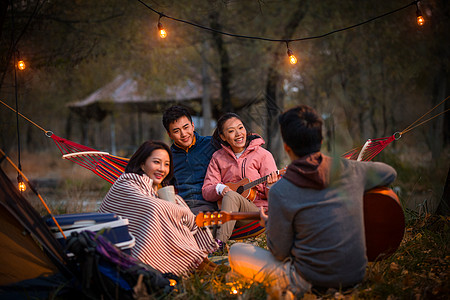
<point x="224" y="167"/>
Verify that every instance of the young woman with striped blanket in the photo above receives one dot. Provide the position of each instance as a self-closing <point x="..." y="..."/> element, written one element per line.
<point x="167" y="237"/>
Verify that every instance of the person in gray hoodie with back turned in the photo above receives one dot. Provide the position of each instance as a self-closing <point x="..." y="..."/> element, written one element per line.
<point x="315" y="225"/>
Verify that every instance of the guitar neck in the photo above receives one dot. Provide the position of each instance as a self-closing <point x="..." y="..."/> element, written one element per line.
<point x="253" y="215"/>
<point x="257" y="181"/>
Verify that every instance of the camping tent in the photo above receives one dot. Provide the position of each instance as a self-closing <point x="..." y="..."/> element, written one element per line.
<point x="32" y="262"/>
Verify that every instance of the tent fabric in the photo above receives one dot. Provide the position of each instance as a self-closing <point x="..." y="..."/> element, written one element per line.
<point x="27" y="247"/>
<point x="20" y="256"/>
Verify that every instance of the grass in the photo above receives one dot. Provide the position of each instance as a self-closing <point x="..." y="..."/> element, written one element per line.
<point x="419" y="269"/>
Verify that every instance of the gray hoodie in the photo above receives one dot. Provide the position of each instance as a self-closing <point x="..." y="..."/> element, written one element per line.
<point x="316" y="217"/>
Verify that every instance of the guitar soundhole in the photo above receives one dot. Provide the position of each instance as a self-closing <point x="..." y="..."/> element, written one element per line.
<point x="240" y="190"/>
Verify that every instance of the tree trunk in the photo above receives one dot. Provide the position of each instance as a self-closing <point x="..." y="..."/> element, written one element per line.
<point x="68" y="128"/>
<point x="436" y="138"/>
<point x="225" y="72"/>
<point x="206" y="96"/>
<point x="113" y="133"/>
<point x="444" y="204"/>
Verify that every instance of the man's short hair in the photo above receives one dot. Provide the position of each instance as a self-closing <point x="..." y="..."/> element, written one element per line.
<point x="173" y="113"/>
<point x="301" y="130"/>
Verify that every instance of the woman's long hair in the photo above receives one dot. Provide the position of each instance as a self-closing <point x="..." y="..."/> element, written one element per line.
<point x="142" y="153"/>
<point x="217" y="140"/>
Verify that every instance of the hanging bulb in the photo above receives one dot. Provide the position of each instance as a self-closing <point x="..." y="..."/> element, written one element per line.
<point x="420" y="18"/>
<point x="162" y="31"/>
<point x="21" y="185"/>
<point x="21" y="65"/>
<point x="292" y="58"/>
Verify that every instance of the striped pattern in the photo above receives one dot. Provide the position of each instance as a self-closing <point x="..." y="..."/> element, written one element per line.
<point x="167" y="237"/>
<point x="247" y="231"/>
<point x="370" y="149"/>
<point x="110" y="167"/>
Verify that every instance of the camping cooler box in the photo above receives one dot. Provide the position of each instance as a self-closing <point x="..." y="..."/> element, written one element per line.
<point x="109" y="225"/>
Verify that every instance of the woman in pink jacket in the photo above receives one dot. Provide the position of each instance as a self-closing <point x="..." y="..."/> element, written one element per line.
<point x="241" y="157"/>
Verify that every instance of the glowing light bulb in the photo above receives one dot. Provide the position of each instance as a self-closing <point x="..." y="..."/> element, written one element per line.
<point x="420" y="19"/>
<point x="292" y="58"/>
<point x="21" y="65"/>
<point x="21" y="185"/>
<point x="162" y="31"/>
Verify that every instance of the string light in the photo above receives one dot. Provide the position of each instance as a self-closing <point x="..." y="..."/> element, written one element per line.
<point x="21" y="185"/>
<point x="275" y="40"/>
<point x="420" y="18"/>
<point x="21" y="65"/>
<point x="292" y="58"/>
<point x="161" y="30"/>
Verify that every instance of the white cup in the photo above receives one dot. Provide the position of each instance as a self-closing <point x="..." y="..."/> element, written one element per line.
<point x="167" y="193"/>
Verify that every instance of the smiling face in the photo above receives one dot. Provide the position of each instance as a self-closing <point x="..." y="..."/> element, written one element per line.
<point x="157" y="166"/>
<point x="182" y="132"/>
<point x="234" y="132"/>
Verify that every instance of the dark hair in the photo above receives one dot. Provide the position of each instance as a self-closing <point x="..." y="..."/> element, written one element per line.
<point x="142" y="153"/>
<point x="301" y="129"/>
<point x="173" y="113"/>
<point x="219" y="130"/>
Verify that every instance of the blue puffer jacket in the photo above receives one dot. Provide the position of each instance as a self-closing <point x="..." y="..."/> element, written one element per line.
<point x="190" y="169"/>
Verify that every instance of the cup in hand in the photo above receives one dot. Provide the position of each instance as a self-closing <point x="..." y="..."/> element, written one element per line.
<point x="167" y="193"/>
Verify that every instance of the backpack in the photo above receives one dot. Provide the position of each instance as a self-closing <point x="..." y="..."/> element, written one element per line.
<point x="105" y="272"/>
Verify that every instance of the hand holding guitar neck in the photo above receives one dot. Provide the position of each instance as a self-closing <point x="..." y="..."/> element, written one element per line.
<point x="245" y="187"/>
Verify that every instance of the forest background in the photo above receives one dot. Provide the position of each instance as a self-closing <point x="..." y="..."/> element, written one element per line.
<point x="367" y="82"/>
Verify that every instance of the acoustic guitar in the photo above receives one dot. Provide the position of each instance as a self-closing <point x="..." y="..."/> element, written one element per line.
<point x="384" y="221"/>
<point x="245" y="187"/>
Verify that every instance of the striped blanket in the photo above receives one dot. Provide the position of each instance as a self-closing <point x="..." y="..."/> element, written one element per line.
<point x="167" y="237"/>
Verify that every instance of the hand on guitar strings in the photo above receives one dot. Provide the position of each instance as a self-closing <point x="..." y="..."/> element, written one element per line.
<point x="272" y="178"/>
<point x="225" y="190"/>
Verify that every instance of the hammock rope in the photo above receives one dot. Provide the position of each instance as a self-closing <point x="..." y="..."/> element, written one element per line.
<point x="374" y="146"/>
<point x="24" y="117"/>
<point x="410" y="127"/>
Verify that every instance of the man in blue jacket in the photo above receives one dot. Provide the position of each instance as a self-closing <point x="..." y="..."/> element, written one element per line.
<point x="191" y="155"/>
